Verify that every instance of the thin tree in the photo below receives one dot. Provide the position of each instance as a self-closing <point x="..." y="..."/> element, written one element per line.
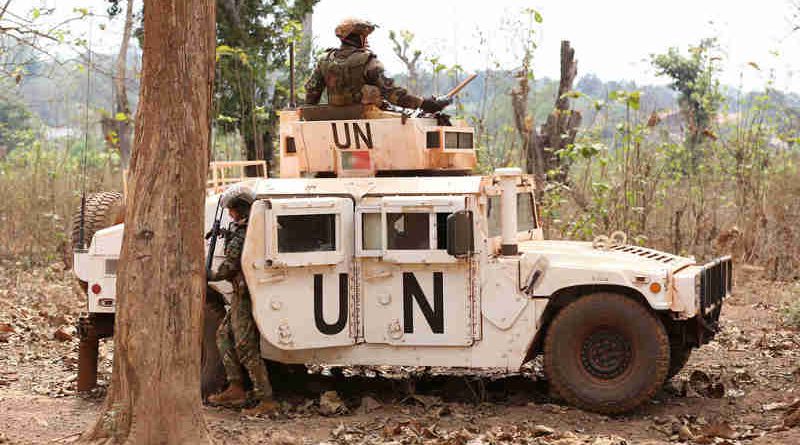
<point x="122" y="108"/>
<point x="155" y="388"/>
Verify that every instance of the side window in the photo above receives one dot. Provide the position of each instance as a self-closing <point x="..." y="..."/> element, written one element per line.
<point x="408" y="231"/>
<point x="371" y="231"/>
<point x="525" y="213"/>
<point x="493" y="216"/>
<point x="306" y="233"/>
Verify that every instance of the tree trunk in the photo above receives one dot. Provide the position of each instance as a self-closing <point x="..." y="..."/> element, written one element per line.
<point x="121" y="91"/>
<point x="559" y="130"/>
<point x="155" y="389"/>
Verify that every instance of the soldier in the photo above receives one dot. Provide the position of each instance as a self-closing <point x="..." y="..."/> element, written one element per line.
<point x="352" y="74"/>
<point x="237" y="336"/>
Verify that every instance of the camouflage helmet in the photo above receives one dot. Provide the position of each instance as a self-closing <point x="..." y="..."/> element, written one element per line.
<point x="354" y="26"/>
<point x="238" y="197"/>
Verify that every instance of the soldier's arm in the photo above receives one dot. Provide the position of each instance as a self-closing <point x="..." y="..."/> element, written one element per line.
<point x="375" y="75"/>
<point x="232" y="263"/>
<point x="314" y="87"/>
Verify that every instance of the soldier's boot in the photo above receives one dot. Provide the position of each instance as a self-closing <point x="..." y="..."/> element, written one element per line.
<point x="265" y="406"/>
<point x="235" y="395"/>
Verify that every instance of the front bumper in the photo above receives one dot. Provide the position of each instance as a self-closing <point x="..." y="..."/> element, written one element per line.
<point x="713" y="285"/>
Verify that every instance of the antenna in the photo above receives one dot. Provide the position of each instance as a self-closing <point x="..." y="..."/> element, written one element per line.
<point x="292" y="95"/>
<point x="82" y="227"/>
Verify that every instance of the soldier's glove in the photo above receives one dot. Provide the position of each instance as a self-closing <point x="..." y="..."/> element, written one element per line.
<point x="435" y="104"/>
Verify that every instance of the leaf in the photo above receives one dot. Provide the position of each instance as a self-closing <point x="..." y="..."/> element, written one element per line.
<point x="36" y="13"/>
<point x="754" y="65"/>
<point x="121" y="117"/>
<point x="537" y="17"/>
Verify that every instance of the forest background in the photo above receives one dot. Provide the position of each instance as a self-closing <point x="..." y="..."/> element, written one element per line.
<point x="693" y="166"/>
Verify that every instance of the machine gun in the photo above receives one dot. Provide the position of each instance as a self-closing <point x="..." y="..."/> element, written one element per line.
<point x="441" y="117"/>
<point x="213" y="235"/>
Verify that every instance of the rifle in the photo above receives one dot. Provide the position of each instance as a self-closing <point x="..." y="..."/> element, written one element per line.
<point x="213" y="234"/>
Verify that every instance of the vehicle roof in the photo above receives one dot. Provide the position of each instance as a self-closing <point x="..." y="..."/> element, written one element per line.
<point x="436" y="185"/>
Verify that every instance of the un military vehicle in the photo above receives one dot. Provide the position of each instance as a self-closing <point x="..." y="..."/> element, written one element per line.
<point x="378" y="246"/>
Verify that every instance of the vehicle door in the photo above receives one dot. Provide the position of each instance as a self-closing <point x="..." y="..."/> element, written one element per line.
<point x="413" y="291"/>
<point x="305" y="294"/>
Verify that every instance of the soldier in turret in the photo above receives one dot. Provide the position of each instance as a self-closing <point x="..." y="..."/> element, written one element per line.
<point x="237" y="336"/>
<point x="352" y="75"/>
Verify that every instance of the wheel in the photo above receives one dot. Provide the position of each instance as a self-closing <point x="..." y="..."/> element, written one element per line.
<point x="103" y="210"/>
<point x="606" y="353"/>
<point x="212" y="371"/>
<point x="678" y="357"/>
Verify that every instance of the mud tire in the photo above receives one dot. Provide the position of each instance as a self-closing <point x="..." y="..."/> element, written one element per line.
<point x="212" y="371"/>
<point x="678" y="357"/>
<point x="606" y="353"/>
<point x="103" y="210"/>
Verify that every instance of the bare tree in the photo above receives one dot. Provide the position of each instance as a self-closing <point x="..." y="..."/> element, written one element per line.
<point x="122" y="108"/>
<point x="155" y="389"/>
<point x="410" y="57"/>
<point x="559" y="130"/>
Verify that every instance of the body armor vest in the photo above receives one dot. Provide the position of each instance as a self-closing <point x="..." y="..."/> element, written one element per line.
<point x="343" y="71"/>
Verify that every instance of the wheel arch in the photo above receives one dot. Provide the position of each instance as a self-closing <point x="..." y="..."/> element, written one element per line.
<point x="564" y="296"/>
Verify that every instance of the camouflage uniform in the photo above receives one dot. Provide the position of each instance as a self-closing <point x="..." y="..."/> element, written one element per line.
<point x="237" y="336"/>
<point x="349" y="73"/>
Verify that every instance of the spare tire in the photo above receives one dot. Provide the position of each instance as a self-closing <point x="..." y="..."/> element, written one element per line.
<point x="103" y="210"/>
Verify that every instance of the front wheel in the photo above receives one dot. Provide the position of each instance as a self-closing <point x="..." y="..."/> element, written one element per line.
<point x="606" y="353"/>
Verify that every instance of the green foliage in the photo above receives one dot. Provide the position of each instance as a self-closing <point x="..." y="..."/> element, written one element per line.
<point x="17" y="123"/>
<point x="253" y="38"/>
<point x="695" y="77"/>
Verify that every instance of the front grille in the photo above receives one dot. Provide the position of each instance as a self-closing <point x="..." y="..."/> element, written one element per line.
<point x="716" y="282"/>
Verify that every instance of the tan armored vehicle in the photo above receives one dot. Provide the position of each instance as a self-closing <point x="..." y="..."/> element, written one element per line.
<point x="377" y="247"/>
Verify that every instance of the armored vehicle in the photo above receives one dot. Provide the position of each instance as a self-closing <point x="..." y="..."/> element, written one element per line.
<point x="377" y="246"/>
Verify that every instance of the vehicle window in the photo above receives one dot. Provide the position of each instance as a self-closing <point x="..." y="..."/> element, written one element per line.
<point x="525" y="215"/>
<point x="525" y="219"/>
<point x="441" y="230"/>
<point x="408" y="231"/>
<point x="306" y="233"/>
<point x="371" y="231"/>
<point x="493" y="216"/>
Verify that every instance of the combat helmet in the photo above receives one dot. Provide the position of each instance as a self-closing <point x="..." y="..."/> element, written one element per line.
<point x="239" y="198"/>
<point x="354" y="26"/>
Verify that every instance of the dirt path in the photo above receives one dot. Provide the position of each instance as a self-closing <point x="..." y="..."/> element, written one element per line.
<point x="735" y="390"/>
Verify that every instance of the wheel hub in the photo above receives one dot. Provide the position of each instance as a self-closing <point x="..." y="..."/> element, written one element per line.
<point x="606" y="353"/>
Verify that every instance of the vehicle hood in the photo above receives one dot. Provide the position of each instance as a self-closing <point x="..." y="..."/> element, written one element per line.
<point x="578" y="254"/>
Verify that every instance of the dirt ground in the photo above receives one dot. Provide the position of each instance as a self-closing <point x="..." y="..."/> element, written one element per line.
<point x="744" y="387"/>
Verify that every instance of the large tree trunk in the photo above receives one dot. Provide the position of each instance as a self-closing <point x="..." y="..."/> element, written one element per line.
<point x="155" y="389"/>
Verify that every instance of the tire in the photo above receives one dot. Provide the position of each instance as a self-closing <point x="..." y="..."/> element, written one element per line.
<point x="678" y="357"/>
<point x="606" y="353"/>
<point x="103" y="210"/>
<point x="212" y="371"/>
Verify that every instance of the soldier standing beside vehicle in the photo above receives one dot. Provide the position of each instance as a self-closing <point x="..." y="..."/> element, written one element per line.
<point x="237" y="336"/>
<point x="353" y="75"/>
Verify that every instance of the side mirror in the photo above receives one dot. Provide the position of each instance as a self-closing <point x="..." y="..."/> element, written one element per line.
<point x="460" y="239"/>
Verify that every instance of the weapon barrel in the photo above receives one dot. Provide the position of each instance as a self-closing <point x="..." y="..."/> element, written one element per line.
<point x="461" y="86"/>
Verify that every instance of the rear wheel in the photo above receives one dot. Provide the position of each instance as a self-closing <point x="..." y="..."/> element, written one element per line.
<point x="606" y="353"/>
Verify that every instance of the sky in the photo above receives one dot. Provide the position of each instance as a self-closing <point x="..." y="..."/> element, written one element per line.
<point x="612" y="38"/>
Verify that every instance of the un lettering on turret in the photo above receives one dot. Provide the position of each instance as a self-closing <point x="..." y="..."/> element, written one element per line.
<point x="349" y="134"/>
